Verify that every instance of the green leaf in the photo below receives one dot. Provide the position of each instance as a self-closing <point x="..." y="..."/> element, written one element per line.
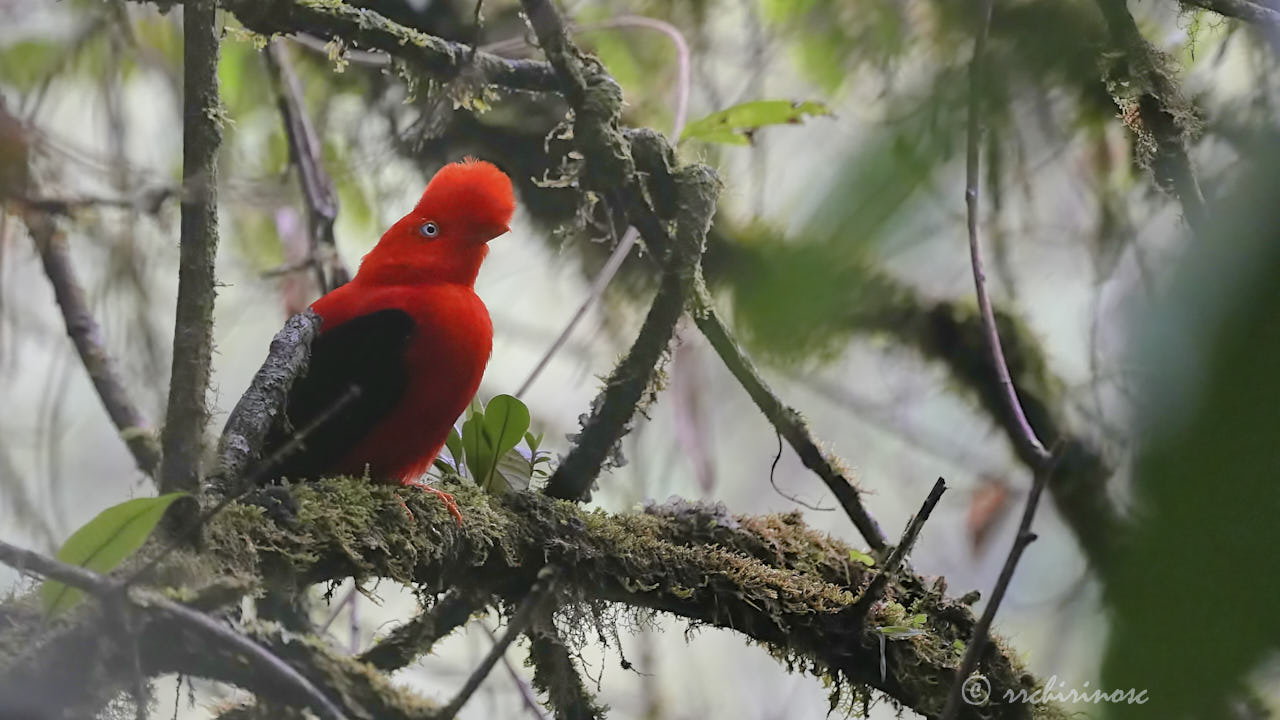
<point x="899" y="632"/>
<point x="861" y="557"/>
<point x="454" y="445"/>
<point x="103" y="543"/>
<point x="533" y="441"/>
<point x="474" y="446"/>
<point x="736" y="124"/>
<point x="512" y="473"/>
<point x="505" y="421"/>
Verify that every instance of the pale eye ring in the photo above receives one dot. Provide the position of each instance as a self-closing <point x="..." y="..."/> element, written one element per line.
<point x="429" y="229"/>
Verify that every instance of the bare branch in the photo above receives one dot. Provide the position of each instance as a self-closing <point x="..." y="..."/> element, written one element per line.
<point x="981" y="632"/>
<point x="188" y="413"/>
<point x="85" y="334"/>
<point x="526" y="692"/>
<point x="1026" y="435"/>
<point x="304" y="149"/>
<point x="878" y="584"/>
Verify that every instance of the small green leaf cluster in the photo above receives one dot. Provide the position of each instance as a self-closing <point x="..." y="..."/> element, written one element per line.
<point x="487" y="448"/>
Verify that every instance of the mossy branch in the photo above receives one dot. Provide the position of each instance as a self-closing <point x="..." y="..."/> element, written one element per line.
<point x="357" y="26"/>
<point x="770" y="578"/>
<point x="1141" y="80"/>
<point x="556" y="676"/>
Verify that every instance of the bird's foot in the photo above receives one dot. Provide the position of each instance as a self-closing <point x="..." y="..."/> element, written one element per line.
<point x="445" y="497"/>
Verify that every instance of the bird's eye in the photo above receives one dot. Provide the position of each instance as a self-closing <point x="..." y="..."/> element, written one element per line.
<point x="429" y="230"/>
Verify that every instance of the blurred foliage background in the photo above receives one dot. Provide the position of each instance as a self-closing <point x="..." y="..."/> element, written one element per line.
<point x="1141" y="326"/>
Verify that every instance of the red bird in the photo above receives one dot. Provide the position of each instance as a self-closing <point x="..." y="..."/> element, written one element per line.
<point x="409" y="333"/>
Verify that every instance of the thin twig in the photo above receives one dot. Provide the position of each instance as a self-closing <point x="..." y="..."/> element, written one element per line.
<point x="206" y="628"/>
<point x="981" y="631"/>
<point x="598" y="286"/>
<point x="519" y="621"/>
<point x="786" y="420"/>
<point x="1026" y="435"/>
<point x="526" y="692"/>
<point x="304" y="149"/>
<point x="347" y="598"/>
<point x="881" y="581"/>
<point x="188" y="410"/>
<point x="773" y="467"/>
<point x="85" y="334"/>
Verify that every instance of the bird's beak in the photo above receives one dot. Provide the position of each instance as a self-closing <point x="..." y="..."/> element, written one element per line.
<point x="492" y="231"/>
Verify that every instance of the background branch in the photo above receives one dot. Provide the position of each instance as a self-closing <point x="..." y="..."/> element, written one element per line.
<point x="85" y="334"/>
<point x="188" y="412"/>
<point x="304" y="150"/>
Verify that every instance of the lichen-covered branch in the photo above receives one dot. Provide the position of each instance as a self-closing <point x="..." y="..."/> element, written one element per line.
<point x="85" y="334"/>
<point x="188" y="411"/>
<point x="1245" y="10"/>
<point x="356" y="26"/>
<point x="613" y="166"/>
<point x="1161" y="120"/>
<point x="257" y="410"/>
<point x="769" y="578"/>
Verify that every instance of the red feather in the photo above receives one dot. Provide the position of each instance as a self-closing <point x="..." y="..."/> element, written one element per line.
<point x="425" y="267"/>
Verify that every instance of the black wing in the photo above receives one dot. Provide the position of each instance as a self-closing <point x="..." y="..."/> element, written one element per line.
<point x="365" y="353"/>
